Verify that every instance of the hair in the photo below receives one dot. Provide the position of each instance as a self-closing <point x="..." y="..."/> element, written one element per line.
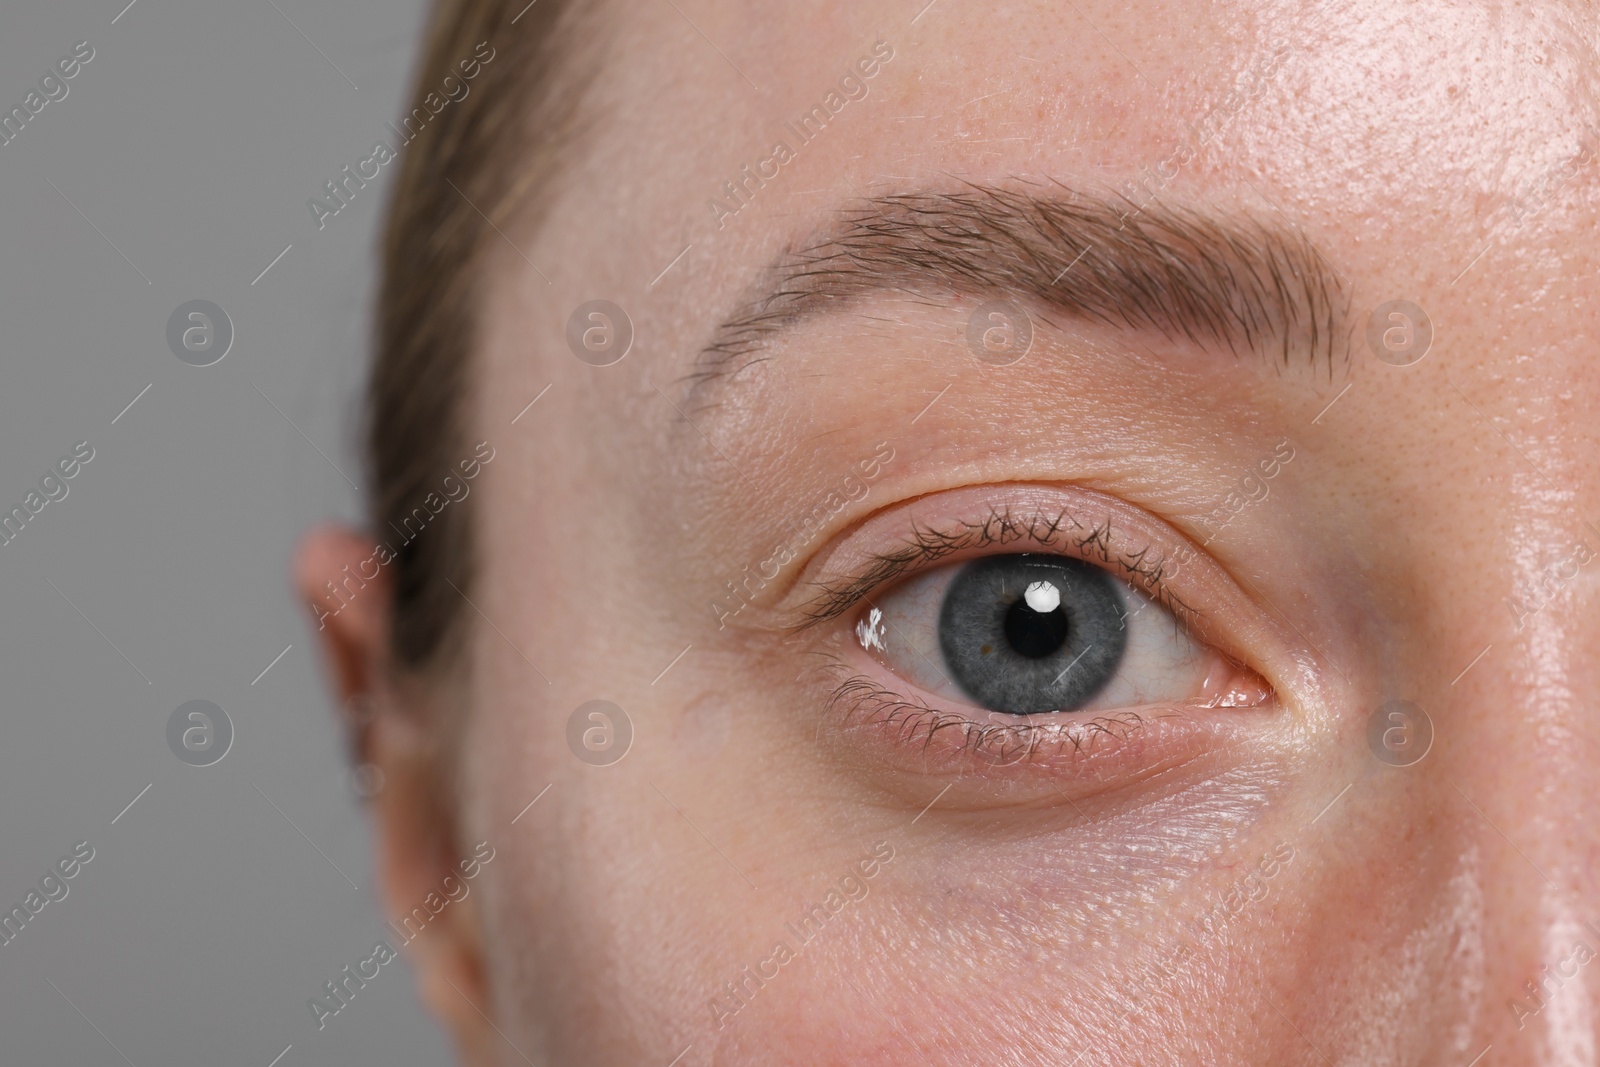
<point x="489" y="151"/>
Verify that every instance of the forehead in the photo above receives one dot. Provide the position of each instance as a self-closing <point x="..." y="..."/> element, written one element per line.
<point x="1399" y="109"/>
<point x="1406" y="141"/>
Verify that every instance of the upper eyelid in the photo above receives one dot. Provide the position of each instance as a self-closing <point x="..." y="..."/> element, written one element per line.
<point x="1045" y="528"/>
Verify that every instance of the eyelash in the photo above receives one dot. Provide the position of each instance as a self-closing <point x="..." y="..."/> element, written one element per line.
<point x="927" y="546"/>
<point x="862" y="702"/>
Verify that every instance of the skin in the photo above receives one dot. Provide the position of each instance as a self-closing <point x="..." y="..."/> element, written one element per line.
<point x="1036" y="911"/>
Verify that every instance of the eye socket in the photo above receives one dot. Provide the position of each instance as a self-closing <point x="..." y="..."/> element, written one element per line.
<point x="1030" y="634"/>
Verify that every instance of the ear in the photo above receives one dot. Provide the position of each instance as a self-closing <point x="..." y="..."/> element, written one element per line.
<point x="394" y="731"/>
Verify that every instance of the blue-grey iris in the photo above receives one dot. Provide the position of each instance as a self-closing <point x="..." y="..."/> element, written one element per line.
<point x="1026" y="634"/>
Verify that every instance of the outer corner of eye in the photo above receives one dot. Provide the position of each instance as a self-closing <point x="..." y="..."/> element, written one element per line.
<point x="1027" y="634"/>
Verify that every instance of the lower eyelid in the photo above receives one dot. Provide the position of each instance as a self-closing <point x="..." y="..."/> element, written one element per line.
<point x="989" y="763"/>
<point x="862" y="702"/>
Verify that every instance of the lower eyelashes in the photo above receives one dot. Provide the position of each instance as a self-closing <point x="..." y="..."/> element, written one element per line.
<point x="1090" y="763"/>
<point x="863" y="704"/>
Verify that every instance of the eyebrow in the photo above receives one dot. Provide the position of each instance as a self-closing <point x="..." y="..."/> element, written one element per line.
<point x="1230" y="280"/>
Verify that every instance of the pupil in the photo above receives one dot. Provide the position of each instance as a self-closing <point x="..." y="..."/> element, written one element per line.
<point x="1035" y="634"/>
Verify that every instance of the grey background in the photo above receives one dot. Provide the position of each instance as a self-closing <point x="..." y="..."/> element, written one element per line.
<point x="192" y="141"/>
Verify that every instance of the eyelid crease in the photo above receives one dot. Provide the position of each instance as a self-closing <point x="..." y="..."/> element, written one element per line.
<point x="1045" y="529"/>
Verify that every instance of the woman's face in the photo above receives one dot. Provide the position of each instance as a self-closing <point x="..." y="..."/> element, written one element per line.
<point x="970" y="343"/>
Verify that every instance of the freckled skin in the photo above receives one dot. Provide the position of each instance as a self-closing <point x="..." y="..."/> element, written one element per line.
<point x="1116" y="915"/>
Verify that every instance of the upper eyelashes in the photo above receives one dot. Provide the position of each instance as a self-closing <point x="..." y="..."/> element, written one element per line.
<point x="1147" y="567"/>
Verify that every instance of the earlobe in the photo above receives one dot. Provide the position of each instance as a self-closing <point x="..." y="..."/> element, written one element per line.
<point x="418" y="848"/>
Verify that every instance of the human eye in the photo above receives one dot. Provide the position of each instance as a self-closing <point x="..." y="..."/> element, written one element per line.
<point x="1033" y="633"/>
<point x="1032" y="627"/>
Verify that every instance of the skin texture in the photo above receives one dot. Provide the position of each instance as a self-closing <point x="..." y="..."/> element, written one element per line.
<point x="1042" y="910"/>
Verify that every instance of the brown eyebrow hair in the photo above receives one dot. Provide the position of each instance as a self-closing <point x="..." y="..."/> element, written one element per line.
<point x="1216" y="279"/>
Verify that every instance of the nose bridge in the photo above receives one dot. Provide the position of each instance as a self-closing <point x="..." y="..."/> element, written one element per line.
<point x="1518" y="770"/>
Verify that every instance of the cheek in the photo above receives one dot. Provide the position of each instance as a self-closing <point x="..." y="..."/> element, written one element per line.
<point x="1392" y="935"/>
<point x="706" y="725"/>
<point x="968" y="963"/>
<point x="652" y="924"/>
